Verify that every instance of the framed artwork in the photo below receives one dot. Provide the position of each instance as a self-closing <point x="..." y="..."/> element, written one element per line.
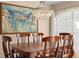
<point x="17" y="19"/>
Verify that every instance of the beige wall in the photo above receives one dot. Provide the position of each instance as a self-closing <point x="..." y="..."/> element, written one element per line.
<point x="1" y="51"/>
<point x="43" y="25"/>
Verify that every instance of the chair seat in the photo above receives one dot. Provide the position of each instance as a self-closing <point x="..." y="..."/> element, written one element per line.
<point x="67" y="55"/>
<point x="52" y="55"/>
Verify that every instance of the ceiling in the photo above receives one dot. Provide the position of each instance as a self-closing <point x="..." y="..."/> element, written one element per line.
<point x="33" y="4"/>
<point x="54" y="2"/>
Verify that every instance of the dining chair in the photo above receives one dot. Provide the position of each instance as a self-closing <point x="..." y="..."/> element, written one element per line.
<point x="61" y="44"/>
<point x="24" y="36"/>
<point x="68" y="46"/>
<point x="66" y="50"/>
<point x="6" y="40"/>
<point x="37" y="37"/>
<point x="53" y="42"/>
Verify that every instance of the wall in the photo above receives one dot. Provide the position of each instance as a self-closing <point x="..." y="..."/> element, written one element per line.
<point x="43" y="25"/>
<point x="1" y="51"/>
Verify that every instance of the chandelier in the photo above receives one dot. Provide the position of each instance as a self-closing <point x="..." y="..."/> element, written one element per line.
<point x="42" y="9"/>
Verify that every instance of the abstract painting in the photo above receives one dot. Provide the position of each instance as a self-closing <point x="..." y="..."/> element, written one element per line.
<point x="17" y="19"/>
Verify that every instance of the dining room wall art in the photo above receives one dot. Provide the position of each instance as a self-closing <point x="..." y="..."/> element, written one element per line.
<point x="17" y="19"/>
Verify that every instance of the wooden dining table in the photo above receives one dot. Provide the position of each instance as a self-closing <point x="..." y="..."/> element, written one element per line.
<point x="26" y="49"/>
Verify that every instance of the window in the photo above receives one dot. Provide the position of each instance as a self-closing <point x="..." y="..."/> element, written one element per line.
<point x="64" y="22"/>
<point x="67" y="20"/>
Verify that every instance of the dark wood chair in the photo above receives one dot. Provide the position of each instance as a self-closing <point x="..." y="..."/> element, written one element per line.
<point x="60" y="48"/>
<point x="68" y="46"/>
<point x="23" y="36"/>
<point x="6" y="46"/>
<point x="67" y="49"/>
<point x="28" y="34"/>
<point x="53" y="42"/>
<point x="37" y="36"/>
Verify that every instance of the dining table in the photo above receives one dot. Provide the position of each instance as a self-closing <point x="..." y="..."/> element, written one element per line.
<point x="27" y="49"/>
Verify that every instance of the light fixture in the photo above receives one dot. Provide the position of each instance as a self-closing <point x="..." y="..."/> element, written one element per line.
<point x="42" y="9"/>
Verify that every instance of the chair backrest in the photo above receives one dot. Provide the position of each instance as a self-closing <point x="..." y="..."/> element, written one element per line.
<point x="40" y="34"/>
<point x="63" y="34"/>
<point x="37" y="36"/>
<point x="53" y="45"/>
<point x="24" y="34"/>
<point x="68" y="40"/>
<point x="32" y="35"/>
<point x="23" y="37"/>
<point x="6" y="45"/>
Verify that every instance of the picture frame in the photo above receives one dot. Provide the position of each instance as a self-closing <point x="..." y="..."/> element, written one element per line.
<point x="15" y="19"/>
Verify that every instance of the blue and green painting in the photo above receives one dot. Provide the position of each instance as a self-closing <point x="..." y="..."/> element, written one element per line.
<point x="17" y="19"/>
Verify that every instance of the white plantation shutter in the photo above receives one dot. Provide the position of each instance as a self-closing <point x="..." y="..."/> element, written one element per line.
<point x="67" y="20"/>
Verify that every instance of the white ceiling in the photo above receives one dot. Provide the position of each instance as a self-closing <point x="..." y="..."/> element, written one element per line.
<point x="54" y="2"/>
<point x="33" y="4"/>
